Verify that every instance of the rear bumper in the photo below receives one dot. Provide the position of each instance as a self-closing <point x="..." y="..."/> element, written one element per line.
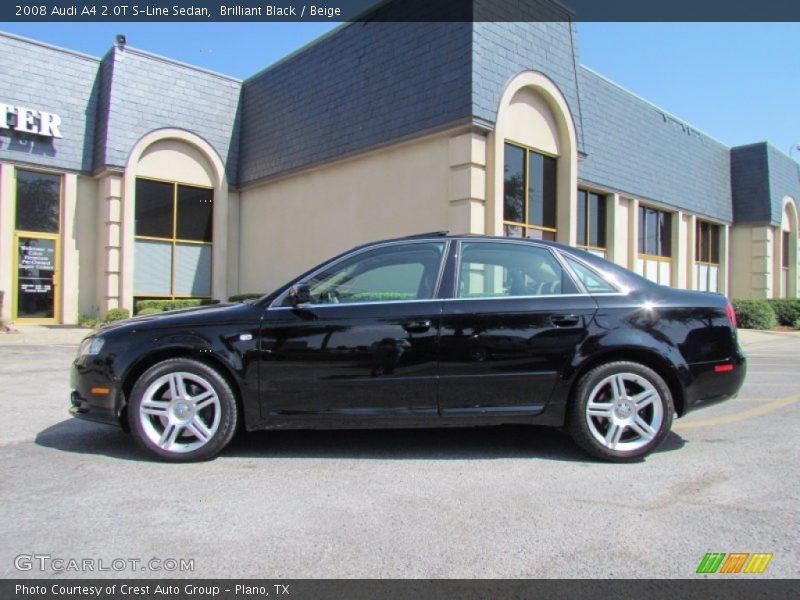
<point x="715" y="382"/>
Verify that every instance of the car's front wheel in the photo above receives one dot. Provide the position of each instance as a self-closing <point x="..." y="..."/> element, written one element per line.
<point x="621" y="411"/>
<point x="182" y="410"/>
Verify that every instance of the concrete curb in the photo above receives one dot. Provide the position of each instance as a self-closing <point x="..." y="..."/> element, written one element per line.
<point x="43" y="335"/>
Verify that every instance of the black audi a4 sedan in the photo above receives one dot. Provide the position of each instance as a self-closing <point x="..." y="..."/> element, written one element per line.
<point x="424" y="331"/>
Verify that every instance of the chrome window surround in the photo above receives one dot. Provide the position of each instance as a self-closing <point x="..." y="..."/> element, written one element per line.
<point x="456" y="271"/>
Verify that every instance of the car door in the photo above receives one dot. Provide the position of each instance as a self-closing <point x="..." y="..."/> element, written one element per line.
<point x="366" y="342"/>
<point x="513" y="324"/>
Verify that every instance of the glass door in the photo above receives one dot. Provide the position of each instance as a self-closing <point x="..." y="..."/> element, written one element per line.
<point x="36" y="247"/>
<point x="37" y="278"/>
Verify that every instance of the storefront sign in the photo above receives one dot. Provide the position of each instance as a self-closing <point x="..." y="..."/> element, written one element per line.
<point x="28" y="120"/>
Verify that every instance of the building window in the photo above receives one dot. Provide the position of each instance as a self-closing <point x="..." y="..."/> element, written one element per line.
<point x="38" y="202"/>
<point x="785" y="263"/>
<point x="707" y="236"/>
<point x="655" y="232"/>
<point x="785" y="251"/>
<point x="592" y="222"/>
<point x="173" y="240"/>
<point x="655" y="245"/>
<point x="529" y="194"/>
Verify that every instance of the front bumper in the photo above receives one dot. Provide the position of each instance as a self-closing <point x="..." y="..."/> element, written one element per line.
<point x="95" y="396"/>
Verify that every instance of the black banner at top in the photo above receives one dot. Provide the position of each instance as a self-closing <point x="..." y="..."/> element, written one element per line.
<point x="398" y="10"/>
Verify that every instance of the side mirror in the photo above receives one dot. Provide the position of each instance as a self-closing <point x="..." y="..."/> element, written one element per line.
<point x="299" y="294"/>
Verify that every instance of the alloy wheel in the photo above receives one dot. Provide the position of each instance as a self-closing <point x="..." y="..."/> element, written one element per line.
<point x="180" y="412"/>
<point x="625" y="412"/>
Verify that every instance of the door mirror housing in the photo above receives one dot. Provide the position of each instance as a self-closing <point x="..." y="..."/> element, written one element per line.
<point x="300" y="294"/>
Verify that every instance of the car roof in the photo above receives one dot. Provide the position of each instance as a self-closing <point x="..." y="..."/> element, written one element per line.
<point x="434" y="235"/>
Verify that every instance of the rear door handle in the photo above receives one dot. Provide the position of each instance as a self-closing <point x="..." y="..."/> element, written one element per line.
<point x="417" y="326"/>
<point x="564" y="320"/>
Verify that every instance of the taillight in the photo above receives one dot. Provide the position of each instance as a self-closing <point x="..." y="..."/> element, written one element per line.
<point x="731" y="314"/>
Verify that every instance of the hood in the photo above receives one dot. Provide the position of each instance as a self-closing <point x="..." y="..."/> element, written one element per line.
<point x="185" y="316"/>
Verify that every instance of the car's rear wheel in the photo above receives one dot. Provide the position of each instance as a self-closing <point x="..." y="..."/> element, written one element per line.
<point x="182" y="410"/>
<point x="621" y="411"/>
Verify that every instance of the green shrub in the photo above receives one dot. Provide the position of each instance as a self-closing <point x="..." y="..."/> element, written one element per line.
<point x="87" y="321"/>
<point x="797" y="324"/>
<point x="173" y="304"/>
<point x="243" y="297"/>
<point x="787" y="310"/>
<point x="754" y="314"/>
<point x="117" y="314"/>
<point x="148" y="311"/>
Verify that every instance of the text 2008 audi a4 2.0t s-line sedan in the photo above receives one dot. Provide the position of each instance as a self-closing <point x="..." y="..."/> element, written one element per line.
<point x="424" y="331"/>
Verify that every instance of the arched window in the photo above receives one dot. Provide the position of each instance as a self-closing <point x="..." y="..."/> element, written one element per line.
<point x="529" y="193"/>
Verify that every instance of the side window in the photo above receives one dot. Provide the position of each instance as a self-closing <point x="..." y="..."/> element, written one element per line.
<point x="494" y="269"/>
<point x="387" y="274"/>
<point x="591" y="280"/>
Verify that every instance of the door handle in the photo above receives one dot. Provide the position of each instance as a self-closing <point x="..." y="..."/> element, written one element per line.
<point x="417" y="326"/>
<point x="564" y="320"/>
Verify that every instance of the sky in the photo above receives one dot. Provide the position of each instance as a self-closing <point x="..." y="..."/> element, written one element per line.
<point x="739" y="82"/>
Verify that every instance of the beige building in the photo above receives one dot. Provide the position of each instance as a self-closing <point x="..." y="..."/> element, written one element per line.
<point x="134" y="177"/>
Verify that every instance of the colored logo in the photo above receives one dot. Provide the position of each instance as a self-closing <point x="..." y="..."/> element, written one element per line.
<point x="735" y="562"/>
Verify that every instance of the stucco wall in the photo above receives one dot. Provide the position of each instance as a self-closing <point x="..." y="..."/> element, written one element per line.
<point x="289" y="225"/>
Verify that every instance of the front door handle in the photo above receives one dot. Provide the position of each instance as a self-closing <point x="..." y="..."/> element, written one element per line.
<point x="564" y="320"/>
<point x="417" y="326"/>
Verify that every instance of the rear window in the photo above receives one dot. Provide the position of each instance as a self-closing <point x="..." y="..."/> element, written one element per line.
<point x="591" y="280"/>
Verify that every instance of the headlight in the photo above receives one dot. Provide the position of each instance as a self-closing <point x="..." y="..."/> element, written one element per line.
<point x="91" y="346"/>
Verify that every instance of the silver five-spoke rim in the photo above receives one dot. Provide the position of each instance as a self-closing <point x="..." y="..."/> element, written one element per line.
<point x="180" y="412"/>
<point x="624" y="412"/>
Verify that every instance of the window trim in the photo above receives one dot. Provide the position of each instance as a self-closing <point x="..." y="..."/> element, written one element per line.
<point x="526" y="188"/>
<point x="604" y="198"/>
<point x="174" y="240"/>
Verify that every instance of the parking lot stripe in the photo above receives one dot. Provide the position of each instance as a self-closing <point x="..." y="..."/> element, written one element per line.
<point x="741" y="415"/>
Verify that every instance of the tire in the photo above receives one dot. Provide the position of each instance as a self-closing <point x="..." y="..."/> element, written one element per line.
<point x="182" y="410"/>
<point x="620" y="412"/>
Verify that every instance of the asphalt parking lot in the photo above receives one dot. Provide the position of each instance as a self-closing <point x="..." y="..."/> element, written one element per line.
<point x="504" y="502"/>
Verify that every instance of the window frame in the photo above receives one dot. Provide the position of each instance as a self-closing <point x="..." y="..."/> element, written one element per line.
<point x="526" y="226"/>
<point x="174" y="240"/>
<point x="642" y="233"/>
<point x="604" y="226"/>
<point x="786" y="243"/>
